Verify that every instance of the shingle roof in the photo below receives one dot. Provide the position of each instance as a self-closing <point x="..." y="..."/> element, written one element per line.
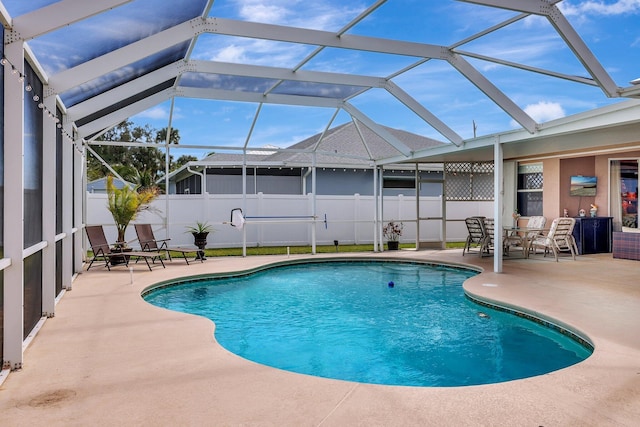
<point x="340" y="145"/>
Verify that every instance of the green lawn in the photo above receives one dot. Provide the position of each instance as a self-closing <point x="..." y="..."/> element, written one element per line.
<point x="282" y="250"/>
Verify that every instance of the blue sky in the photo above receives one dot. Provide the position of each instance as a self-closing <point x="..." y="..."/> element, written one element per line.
<point x="610" y="28"/>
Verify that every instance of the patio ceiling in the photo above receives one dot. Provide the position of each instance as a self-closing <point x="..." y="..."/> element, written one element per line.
<point x="109" y="60"/>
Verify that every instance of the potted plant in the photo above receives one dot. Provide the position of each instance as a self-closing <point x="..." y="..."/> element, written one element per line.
<point x="392" y="232"/>
<point x="125" y="204"/>
<point x="200" y="232"/>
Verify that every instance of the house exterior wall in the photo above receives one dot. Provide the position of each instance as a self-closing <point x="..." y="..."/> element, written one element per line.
<point x="558" y="172"/>
<point x="342" y="182"/>
<point x="329" y="181"/>
<point x="601" y="164"/>
<point x="551" y="207"/>
<point x="510" y="187"/>
<point x="577" y="166"/>
<point x="346" y="182"/>
<point x="276" y="183"/>
<point x="228" y="184"/>
<point x="557" y="175"/>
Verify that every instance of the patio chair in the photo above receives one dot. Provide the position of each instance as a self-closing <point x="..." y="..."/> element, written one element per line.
<point x="148" y="242"/>
<point x="476" y="237"/>
<point x="522" y="239"/>
<point x="487" y="242"/>
<point x="102" y="250"/>
<point x="560" y="238"/>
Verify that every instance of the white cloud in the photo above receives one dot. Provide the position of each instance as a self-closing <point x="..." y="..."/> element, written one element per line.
<point x="534" y="21"/>
<point x="593" y="7"/>
<point x="158" y="113"/>
<point x="544" y="111"/>
<point x="231" y="53"/>
<point x="155" y="113"/>
<point x="256" y="11"/>
<point x="258" y="52"/>
<point x="324" y="15"/>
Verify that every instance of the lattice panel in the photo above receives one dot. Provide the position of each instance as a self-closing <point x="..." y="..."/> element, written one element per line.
<point x="455" y="168"/>
<point x="469" y="181"/>
<point x="458" y="186"/>
<point x="483" y="187"/>
<point x="483" y="167"/>
<point x="533" y="181"/>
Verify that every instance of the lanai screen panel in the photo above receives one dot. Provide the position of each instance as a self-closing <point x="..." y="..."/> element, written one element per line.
<point x="95" y="36"/>
<point x="123" y="75"/>
<point x="90" y="38"/>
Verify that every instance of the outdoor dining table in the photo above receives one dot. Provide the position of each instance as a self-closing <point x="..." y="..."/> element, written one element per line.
<point x="526" y="233"/>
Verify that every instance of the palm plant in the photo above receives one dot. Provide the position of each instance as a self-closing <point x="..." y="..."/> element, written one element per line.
<point x="200" y="228"/>
<point x="200" y="232"/>
<point x="126" y="203"/>
<point x="146" y="179"/>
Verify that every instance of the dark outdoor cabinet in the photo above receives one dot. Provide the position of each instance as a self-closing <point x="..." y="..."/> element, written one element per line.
<point x="593" y="235"/>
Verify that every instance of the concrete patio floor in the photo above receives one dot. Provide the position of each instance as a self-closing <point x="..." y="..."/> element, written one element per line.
<point x="109" y="358"/>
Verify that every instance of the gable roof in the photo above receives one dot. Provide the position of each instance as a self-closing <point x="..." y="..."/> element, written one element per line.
<point x="100" y="185"/>
<point x="349" y="144"/>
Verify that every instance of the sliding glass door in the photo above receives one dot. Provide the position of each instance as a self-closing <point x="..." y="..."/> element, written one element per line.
<point x="624" y="194"/>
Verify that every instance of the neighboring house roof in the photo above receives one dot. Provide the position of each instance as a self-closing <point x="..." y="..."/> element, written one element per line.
<point x="352" y="144"/>
<point x="343" y="145"/>
<point x="232" y="158"/>
<point x="100" y="185"/>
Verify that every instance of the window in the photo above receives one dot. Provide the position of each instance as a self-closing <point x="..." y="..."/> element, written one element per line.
<point x="529" y="196"/>
<point x="408" y="182"/>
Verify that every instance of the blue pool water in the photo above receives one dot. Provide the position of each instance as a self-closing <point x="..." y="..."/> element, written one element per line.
<point x="343" y="320"/>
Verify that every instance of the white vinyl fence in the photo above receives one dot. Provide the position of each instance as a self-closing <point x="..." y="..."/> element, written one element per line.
<point x="287" y="220"/>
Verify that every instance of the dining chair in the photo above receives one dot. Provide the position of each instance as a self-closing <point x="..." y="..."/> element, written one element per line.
<point x="522" y="239"/>
<point x="476" y="233"/>
<point x="560" y="238"/>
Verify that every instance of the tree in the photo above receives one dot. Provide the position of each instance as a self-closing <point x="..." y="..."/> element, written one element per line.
<point x="182" y="160"/>
<point x="161" y="136"/>
<point x="131" y="162"/>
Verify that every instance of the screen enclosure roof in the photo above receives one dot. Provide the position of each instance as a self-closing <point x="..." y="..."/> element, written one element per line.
<point x="455" y="71"/>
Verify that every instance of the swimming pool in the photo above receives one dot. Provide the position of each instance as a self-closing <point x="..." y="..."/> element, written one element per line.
<point x="381" y="322"/>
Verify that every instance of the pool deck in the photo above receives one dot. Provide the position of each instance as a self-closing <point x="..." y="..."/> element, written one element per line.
<point x="109" y="358"/>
